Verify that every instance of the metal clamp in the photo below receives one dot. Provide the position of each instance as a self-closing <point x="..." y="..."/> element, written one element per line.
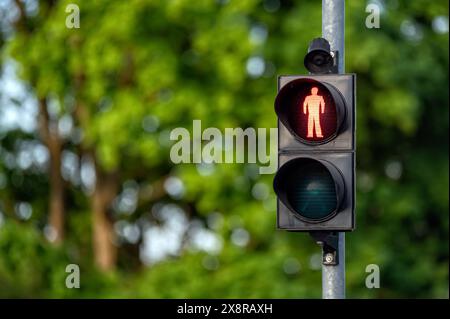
<point x="329" y="242"/>
<point x="334" y="68"/>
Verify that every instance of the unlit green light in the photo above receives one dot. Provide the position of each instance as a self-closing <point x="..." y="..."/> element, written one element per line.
<point x="311" y="191"/>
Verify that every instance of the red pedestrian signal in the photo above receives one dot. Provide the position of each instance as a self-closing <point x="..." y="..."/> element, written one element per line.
<point x="313" y="107"/>
<point x="312" y="111"/>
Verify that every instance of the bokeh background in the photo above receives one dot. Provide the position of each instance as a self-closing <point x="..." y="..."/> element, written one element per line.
<point x="85" y="173"/>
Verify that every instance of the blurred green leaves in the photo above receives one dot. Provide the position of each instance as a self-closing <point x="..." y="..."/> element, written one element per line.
<point x="141" y="68"/>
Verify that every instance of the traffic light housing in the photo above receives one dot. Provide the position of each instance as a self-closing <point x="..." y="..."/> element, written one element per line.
<point x="315" y="182"/>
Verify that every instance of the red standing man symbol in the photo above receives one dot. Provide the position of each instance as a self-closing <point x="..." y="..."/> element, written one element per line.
<point x="312" y="105"/>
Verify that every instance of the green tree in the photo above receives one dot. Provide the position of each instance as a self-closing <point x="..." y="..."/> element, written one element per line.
<point x="135" y="70"/>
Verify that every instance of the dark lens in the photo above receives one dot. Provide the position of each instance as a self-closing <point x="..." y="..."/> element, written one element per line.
<point x="318" y="60"/>
<point x="311" y="191"/>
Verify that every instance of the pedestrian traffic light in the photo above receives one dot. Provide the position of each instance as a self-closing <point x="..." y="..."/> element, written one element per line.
<point x="316" y="140"/>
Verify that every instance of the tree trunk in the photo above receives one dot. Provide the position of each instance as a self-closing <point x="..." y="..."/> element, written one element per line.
<point x="57" y="213"/>
<point x="51" y="139"/>
<point x="105" y="250"/>
<point x="105" y="190"/>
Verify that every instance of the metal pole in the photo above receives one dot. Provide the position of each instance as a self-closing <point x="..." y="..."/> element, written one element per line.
<point x="333" y="18"/>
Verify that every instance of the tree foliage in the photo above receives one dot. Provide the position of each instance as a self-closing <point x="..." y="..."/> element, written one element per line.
<point x="136" y="69"/>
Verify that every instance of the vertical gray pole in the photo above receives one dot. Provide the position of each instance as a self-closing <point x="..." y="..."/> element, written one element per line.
<point x="333" y="18"/>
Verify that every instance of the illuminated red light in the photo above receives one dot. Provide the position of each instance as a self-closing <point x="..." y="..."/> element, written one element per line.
<point x="315" y="118"/>
<point x="308" y="109"/>
<point x="313" y="106"/>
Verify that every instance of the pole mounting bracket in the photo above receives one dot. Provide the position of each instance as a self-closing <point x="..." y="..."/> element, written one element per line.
<point x="329" y="241"/>
<point x="335" y="56"/>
